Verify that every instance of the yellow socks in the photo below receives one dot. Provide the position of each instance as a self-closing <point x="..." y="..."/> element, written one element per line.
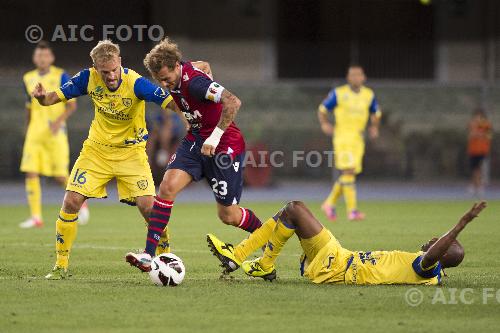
<point x="164" y="243"/>
<point x="66" y="227"/>
<point x="349" y="189"/>
<point x="278" y="239"/>
<point x="34" y="195"/>
<point x="334" y="194"/>
<point x="256" y="240"/>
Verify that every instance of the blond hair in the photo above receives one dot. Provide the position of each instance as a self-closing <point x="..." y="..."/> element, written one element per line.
<point x="165" y="53"/>
<point x="104" y="51"/>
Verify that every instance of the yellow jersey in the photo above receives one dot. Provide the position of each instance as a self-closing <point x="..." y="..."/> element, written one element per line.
<point x="42" y="116"/>
<point x="334" y="264"/>
<point x="351" y="110"/>
<point x="119" y="115"/>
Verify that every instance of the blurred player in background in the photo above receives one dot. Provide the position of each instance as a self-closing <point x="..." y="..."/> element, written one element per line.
<point x="115" y="147"/>
<point x="325" y="261"/>
<point x="213" y="148"/>
<point x="478" y="148"/>
<point x="352" y="105"/>
<point x="46" y="148"/>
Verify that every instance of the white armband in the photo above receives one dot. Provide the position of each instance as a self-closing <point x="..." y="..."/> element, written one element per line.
<point x="214" y="92"/>
<point x="214" y="138"/>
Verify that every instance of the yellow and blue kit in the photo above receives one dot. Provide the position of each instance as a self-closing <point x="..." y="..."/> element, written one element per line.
<point x="115" y="147"/>
<point x="45" y="153"/>
<point x="326" y="261"/>
<point x="351" y="111"/>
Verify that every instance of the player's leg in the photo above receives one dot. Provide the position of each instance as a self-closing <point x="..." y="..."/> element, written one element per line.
<point x="32" y="165"/>
<point x="357" y="149"/>
<point x="145" y="204"/>
<point x="34" y="198"/>
<point x="66" y="228"/>
<point x="88" y="179"/>
<point x="329" y="205"/>
<point x="295" y="217"/>
<point x="446" y="250"/>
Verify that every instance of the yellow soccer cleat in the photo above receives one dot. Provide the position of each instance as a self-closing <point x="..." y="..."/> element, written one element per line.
<point x="253" y="268"/>
<point x="223" y="252"/>
<point x="58" y="273"/>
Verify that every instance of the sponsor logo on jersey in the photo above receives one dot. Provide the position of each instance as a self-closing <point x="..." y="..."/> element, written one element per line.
<point x="185" y="77"/>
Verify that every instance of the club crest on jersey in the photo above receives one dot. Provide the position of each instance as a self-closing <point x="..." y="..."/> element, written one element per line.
<point x="112" y="105"/>
<point x="159" y="92"/>
<point x="143" y="184"/>
<point x="127" y="102"/>
<point x="185" y="104"/>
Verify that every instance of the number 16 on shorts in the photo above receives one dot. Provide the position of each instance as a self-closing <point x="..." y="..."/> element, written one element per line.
<point x="79" y="177"/>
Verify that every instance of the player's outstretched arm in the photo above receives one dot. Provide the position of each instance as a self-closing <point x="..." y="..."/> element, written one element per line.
<point x="439" y="248"/>
<point x="45" y="98"/>
<point x="230" y="106"/>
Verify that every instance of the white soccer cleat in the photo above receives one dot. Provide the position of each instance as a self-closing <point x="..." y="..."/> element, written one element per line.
<point x="32" y="222"/>
<point x="139" y="260"/>
<point x="84" y="214"/>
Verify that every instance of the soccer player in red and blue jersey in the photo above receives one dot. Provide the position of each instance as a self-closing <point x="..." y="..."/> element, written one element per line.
<point x="212" y="149"/>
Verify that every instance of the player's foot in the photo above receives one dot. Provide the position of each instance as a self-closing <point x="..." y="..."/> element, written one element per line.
<point x="356" y="215"/>
<point x="32" y="222"/>
<point x="139" y="260"/>
<point x="57" y="273"/>
<point x="84" y="214"/>
<point x="330" y="211"/>
<point x="253" y="268"/>
<point x="223" y="252"/>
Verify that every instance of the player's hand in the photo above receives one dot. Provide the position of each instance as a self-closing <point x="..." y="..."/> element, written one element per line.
<point x="373" y="132"/>
<point x="327" y="128"/>
<point x="39" y="93"/>
<point x="208" y="150"/>
<point x="474" y="211"/>
<point x="55" y="126"/>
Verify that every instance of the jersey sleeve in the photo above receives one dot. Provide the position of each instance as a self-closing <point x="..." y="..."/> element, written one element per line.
<point x="74" y="87"/>
<point x="203" y="89"/>
<point x="373" y="105"/>
<point x="329" y="102"/>
<point x="149" y="92"/>
<point x="428" y="272"/>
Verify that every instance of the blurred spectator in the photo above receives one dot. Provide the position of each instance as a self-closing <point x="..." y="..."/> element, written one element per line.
<point x="165" y="132"/>
<point x="479" y="143"/>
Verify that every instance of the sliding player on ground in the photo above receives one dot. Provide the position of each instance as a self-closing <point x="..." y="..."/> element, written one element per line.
<point x="325" y="261"/>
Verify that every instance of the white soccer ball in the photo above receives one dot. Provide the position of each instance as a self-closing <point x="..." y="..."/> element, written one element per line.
<point x="167" y="269"/>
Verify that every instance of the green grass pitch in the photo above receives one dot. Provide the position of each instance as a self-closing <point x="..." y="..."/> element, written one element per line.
<point x="107" y="295"/>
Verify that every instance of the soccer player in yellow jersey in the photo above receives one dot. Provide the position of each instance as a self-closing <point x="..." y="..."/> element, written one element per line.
<point x="115" y="147"/>
<point x="326" y="261"/>
<point x="46" y="149"/>
<point x="352" y="105"/>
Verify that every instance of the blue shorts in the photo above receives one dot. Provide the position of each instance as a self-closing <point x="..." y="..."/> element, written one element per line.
<point x="223" y="172"/>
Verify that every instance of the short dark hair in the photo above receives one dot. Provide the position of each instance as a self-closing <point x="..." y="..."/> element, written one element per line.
<point x="43" y="45"/>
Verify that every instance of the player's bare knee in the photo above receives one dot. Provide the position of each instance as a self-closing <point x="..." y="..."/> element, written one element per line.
<point x="72" y="202"/>
<point x="167" y="190"/>
<point x="228" y="217"/>
<point x="292" y="210"/>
